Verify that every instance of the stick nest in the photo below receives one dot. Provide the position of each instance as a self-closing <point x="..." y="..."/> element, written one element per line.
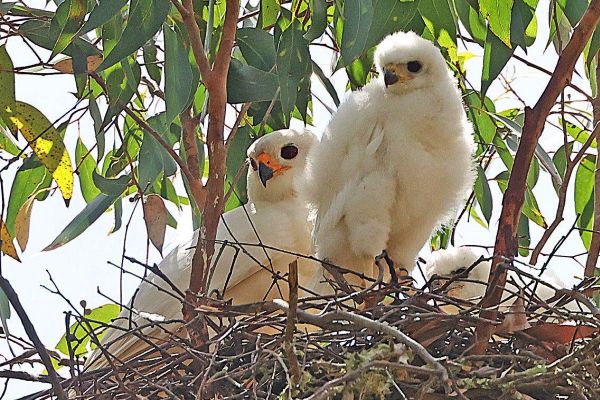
<point x="412" y="344"/>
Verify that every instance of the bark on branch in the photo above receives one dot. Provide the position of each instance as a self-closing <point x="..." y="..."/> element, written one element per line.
<point x="535" y="118"/>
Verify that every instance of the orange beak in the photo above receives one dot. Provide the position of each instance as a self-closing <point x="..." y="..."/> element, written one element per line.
<point x="268" y="167"/>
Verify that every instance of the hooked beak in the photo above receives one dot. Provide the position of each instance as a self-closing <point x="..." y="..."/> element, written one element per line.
<point x="389" y="77"/>
<point x="264" y="173"/>
<point x="268" y="167"/>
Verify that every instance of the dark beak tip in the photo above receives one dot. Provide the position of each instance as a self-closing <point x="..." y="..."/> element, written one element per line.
<point x="389" y="78"/>
<point x="264" y="173"/>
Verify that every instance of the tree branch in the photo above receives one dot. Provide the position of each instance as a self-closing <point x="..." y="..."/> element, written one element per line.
<point x="187" y="13"/>
<point x="562" y="196"/>
<point x="190" y="142"/>
<point x="506" y="240"/>
<point x="33" y="336"/>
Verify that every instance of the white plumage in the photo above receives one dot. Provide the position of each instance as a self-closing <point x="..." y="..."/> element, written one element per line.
<point x="275" y="215"/>
<point x="446" y="263"/>
<point x="394" y="162"/>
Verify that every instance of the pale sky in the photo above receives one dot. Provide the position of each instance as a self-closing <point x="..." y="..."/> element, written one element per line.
<point x="82" y="265"/>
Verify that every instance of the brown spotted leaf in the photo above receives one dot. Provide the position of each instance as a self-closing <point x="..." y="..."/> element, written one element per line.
<point x="156" y="216"/>
<point x="8" y="246"/>
<point x="47" y="144"/>
<point x="7" y="88"/>
<point x="22" y="223"/>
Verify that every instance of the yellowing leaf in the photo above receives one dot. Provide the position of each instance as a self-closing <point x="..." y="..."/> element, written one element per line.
<point x="8" y="247"/>
<point x="66" y="66"/>
<point x="155" y="215"/>
<point x="47" y="144"/>
<point x="22" y="223"/>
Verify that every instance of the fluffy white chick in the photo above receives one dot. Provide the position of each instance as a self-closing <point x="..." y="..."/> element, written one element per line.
<point x="394" y="163"/>
<point x="275" y="215"/>
<point x="474" y="266"/>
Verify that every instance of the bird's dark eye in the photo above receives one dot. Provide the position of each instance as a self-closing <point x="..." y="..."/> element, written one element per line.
<point x="414" y="66"/>
<point x="288" y="152"/>
<point x="459" y="271"/>
<point x="253" y="163"/>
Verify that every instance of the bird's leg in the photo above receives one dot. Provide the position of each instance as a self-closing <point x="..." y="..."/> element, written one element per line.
<point x="390" y="263"/>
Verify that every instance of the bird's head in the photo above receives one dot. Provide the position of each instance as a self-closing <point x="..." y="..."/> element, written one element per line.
<point x="276" y="160"/>
<point x="463" y="261"/>
<point x="406" y="62"/>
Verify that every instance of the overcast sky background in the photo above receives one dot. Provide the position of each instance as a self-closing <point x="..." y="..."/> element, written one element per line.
<point x="81" y="266"/>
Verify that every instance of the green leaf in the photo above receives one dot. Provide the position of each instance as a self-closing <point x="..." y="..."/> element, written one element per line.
<point x="533" y="174"/>
<point x="523" y="237"/>
<point x="150" y="61"/>
<point x="111" y="187"/>
<point x="439" y="20"/>
<point x="7" y="143"/>
<point x="590" y="53"/>
<point x="580" y="135"/>
<point x="102" y="13"/>
<point x="67" y="21"/>
<point x="359" y="70"/>
<point x="168" y="191"/>
<point x="540" y="153"/>
<point x="118" y="215"/>
<point x="560" y="158"/>
<point x="236" y="159"/>
<point x="327" y="83"/>
<point x="153" y="159"/>
<point x="390" y="16"/>
<point x="484" y="125"/>
<point x="483" y="194"/>
<point x="4" y="311"/>
<point x="269" y="9"/>
<point x="573" y="9"/>
<point x="8" y="104"/>
<point x="44" y="35"/>
<point x="293" y="63"/>
<point x="83" y="220"/>
<point x="495" y="56"/>
<point x="532" y="210"/>
<point x="79" y="331"/>
<point x="498" y="15"/>
<point x="246" y="83"/>
<point x="523" y="25"/>
<point x="357" y="16"/>
<point x="318" y="13"/>
<point x="31" y="177"/>
<point x="86" y="167"/>
<point x="257" y="47"/>
<point x="121" y="87"/>
<point x="584" y="197"/>
<point x="144" y="21"/>
<point x="472" y="20"/>
<point x="178" y="75"/>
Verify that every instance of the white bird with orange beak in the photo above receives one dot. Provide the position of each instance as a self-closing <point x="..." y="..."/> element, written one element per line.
<point x="394" y="162"/>
<point x="275" y="216"/>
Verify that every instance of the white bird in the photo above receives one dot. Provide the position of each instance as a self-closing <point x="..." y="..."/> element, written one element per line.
<point x="275" y="216"/>
<point x="394" y="163"/>
<point x="474" y="269"/>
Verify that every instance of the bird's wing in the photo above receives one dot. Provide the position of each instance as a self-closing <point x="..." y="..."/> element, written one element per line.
<point x="238" y="256"/>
